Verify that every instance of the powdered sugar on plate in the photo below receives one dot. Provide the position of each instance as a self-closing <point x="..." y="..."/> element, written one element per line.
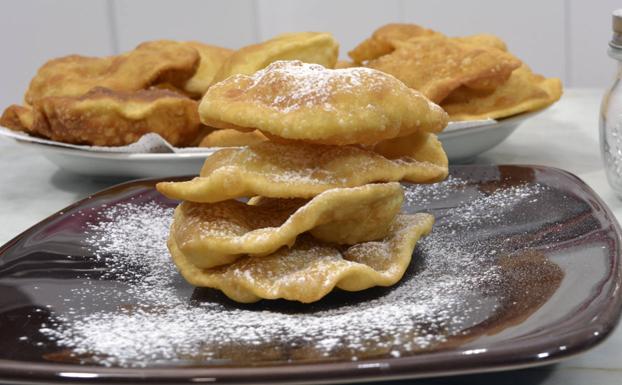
<point x="155" y="318"/>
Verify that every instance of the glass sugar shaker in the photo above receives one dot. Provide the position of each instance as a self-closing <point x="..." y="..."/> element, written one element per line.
<point x="611" y="113"/>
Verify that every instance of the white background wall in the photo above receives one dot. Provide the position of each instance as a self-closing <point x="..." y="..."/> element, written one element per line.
<point x="563" y="38"/>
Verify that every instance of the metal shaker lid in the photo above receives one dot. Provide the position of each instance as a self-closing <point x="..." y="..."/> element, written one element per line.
<point x="616" y="24"/>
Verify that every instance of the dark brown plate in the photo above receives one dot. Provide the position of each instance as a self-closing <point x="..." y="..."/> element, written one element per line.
<point x="552" y="244"/>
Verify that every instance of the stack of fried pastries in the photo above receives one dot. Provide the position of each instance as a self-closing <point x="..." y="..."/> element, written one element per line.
<point x="114" y="100"/>
<point x="316" y="204"/>
<point x="471" y="77"/>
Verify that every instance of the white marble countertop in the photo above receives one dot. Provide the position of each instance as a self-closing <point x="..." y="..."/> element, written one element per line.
<point x="564" y="136"/>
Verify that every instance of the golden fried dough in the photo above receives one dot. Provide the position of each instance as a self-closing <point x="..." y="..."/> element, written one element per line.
<point x="213" y="234"/>
<point x="483" y="39"/>
<point x="311" y="269"/>
<point x="344" y="64"/>
<point x="382" y="40"/>
<point x="150" y="63"/>
<point x="109" y="118"/>
<point x="309" y="47"/>
<point x="300" y="101"/>
<point x="422" y="148"/>
<point x="524" y="91"/>
<point x="22" y="118"/>
<point x="298" y="170"/>
<point x="438" y="65"/>
<point x="212" y="59"/>
<point x="232" y="138"/>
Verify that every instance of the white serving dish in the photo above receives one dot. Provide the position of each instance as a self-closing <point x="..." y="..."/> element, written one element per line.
<point x="462" y="144"/>
<point x="111" y="164"/>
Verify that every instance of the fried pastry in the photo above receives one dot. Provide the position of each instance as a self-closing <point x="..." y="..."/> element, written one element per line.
<point x="382" y="41"/>
<point x="232" y="138"/>
<point x="213" y="234"/>
<point x="22" y="118"/>
<point x="344" y="64"/>
<point x="374" y="48"/>
<point x="436" y="66"/>
<point x="311" y="269"/>
<point x="422" y="148"/>
<point x="103" y="117"/>
<point x="150" y="63"/>
<point x="212" y="59"/>
<point x="299" y="101"/>
<point x="309" y="47"/>
<point x="483" y="39"/>
<point x="299" y="170"/>
<point x="524" y="91"/>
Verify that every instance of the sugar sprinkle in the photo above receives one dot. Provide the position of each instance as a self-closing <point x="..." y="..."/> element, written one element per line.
<point x="153" y="322"/>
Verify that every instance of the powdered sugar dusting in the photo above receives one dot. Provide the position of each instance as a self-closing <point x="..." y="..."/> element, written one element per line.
<point x="155" y="322"/>
<point x="312" y="85"/>
<point x="422" y="194"/>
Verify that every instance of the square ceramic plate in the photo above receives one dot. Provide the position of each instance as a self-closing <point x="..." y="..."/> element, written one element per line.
<point x="521" y="269"/>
